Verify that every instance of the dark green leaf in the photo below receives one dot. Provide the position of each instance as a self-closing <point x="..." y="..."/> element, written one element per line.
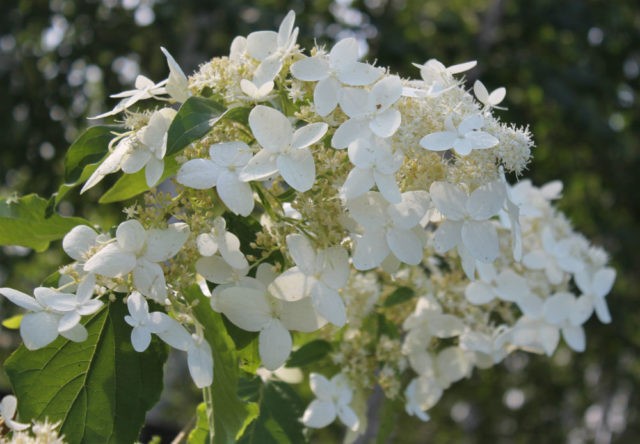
<point x="231" y="414"/>
<point x="310" y="352"/>
<point x="23" y="222"/>
<point x="195" y="119"/>
<point x="99" y="389"/>
<point x="130" y="185"/>
<point x="278" y="423"/>
<point x="398" y="296"/>
<point x="239" y="114"/>
<point x="89" y="148"/>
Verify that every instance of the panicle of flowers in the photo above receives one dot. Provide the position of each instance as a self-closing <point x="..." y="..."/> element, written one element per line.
<point x="386" y="226"/>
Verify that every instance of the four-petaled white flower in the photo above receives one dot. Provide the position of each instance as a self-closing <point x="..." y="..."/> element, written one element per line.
<point x="144" y="89"/>
<point x="463" y="139"/>
<point x="388" y="228"/>
<point x="489" y="100"/>
<point x="8" y="407"/>
<point x="52" y="313"/>
<point x="341" y="66"/>
<point x="333" y="400"/>
<point x="563" y="310"/>
<point x="467" y="225"/>
<point x="369" y="111"/>
<point x="595" y="287"/>
<point x="139" y="251"/>
<point x="200" y="361"/>
<point x="439" y="78"/>
<point x="222" y="171"/>
<point x="318" y="275"/>
<point x="222" y="241"/>
<point x="143" y="149"/>
<point x="284" y="150"/>
<point x="555" y="257"/>
<point x="375" y="164"/>
<point x="252" y="307"/>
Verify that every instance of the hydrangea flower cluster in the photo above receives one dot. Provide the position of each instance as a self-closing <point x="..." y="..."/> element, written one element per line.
<point x="366" y="195"/>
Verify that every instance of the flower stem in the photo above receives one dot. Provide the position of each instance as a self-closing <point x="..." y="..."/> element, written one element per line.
<point x="207" y="395"/>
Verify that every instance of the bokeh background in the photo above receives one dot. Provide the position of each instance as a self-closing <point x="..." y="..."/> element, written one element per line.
<point x="572" y="72"/>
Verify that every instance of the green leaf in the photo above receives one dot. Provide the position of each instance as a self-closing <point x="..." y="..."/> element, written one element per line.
<point x="278" y="423"/>
<point x="231" y="414"/>
<point x="130" y="185"/>
<point x="89" y="148"/>
<point x="99" y="389"/>
<point x="310" y="352"/>
<point x="398" y="296"/>
<point x="388" y="419"/>
<point x="200" y="433"/>
<point x="23" y="222"/>
<point x="195" y="119"/>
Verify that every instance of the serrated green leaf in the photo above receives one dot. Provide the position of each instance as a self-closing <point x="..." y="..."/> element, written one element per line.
<point x="99" y="389"/>
<point x="13" y="323"/>
<point x="195" y="119"/>
<point x="130" y="185"/>
<point x="310" y="352"/>
<point x="398" y="296"/>
<point x="231" y="414"/>
<point x="23" y="222"/>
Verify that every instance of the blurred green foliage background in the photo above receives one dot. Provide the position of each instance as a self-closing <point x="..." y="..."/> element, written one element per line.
<point x="572" y="72"/>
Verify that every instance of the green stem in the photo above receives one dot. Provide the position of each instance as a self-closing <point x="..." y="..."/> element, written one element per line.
<point x="207" y="395"/>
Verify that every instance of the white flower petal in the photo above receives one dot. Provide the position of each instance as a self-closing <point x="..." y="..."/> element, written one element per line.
<point x="308" y="135"/>
<point x="200" y="363"/>
<point x="109" y="165"/>
<point x="368" y="210"/>
<point x="77" y="242"/>
<point x="140" y="338"/>
<point x="247" y="308"/>
<point x="386" y="123"/>
<point x="603" y="282"/>
<point x="325" y="95"/>
<point x="535" y="260"/>
<point x="261" y="44"/>
<point x="386" y="92"/>
<point x="200" y="174"/>
<point x="405" y="245"/>
<point x="76" y="334"/>
<point x="68" y="321"/>
<point x="319" y="414"/>
<point x="479" y="293"/>
<point x="302" y="252"/>
<point x="412" y="208"/>
<point x="164" y="244"/>
<point x="602" y="310"/>
<point x="558" y="308"/>
<point x="349" y="131"/>
<point x="300" y="316"/>
<point x="481" y="140"/>
<point x="297" y="169"/>
<point x="449" y="199"/>
<point x="271" y="128"/>
<point x="344" y="52"/>
<point x="370" y="250"/>
<point x="21" y="299"/>
<point x="131" y="235"/>
<point x="214" y="269"/>
<point x="348" y="417"/>
<point x="260" y="167"/>
<point x="320" y="386"/>
<point x="111" y="261"/>
<point x="486" y="201"/>
<point x="235" y="194"/>
<point x="447" y="236"/>
<point x="359" y="74"/>
<point x="292" y="285"/>
<point x="311" y="69"/>
<point x="335" y="267"/>
<point x="170" y="331"/>
<point x="439" y="141"/>
<point x="358" y="182"/>
<point x="388" y="187"/>
<point x="138" y="306"/>
<point x="39" y="329"/>
<point x="481" y="239"/>
<point x="355" y="102"/>
<point x="328" y="304"/>
<point x="148" y="279"/>
<point x="274" y="344"/>
<point x="153" y="171"/>
<point x="135" y="159"/>
<point x="575" y="338"/>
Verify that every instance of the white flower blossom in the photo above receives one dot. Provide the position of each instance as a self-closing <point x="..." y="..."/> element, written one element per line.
<point x="141" y="252"/>
<point x="340" y="67"/>
<point x="464" y="138"/>
<point x="283" y="149"/>
<point x="333" y="400"/>
<point x="222" y="171"/>
<point x="8" y="407"/>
